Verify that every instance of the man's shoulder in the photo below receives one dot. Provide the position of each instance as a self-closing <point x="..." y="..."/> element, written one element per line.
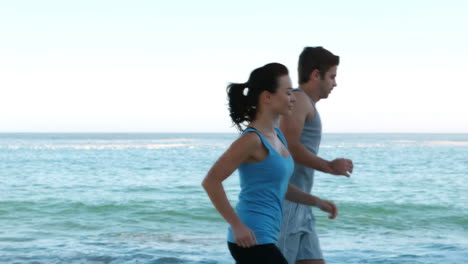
<point x="304" y="106"/>
<point x="302" y="99"/>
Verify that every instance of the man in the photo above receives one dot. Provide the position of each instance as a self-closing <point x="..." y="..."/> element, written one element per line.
<point x="317" y="69"/>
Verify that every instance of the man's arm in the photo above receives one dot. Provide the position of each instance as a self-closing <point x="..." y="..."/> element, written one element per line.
<point x="292" y="127"/>
<point x="295" y="195"/>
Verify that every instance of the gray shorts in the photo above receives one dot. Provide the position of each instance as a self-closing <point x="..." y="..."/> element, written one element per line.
<point x="298" y="239"/>
<point x="300" y="246"/>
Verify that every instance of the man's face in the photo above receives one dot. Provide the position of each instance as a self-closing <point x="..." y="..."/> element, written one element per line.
<point x="328" y="82"/>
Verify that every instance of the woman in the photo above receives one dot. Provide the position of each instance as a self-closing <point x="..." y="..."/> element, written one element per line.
<point x="264" y="164"/>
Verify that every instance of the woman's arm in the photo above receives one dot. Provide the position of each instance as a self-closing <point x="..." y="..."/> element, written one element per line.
<point x="240" y="151"/>
<point x="296" y="195"/>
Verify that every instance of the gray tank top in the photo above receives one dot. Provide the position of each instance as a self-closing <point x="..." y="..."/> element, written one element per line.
<point x="299" y="217"/>
<point x="303" y="177"/>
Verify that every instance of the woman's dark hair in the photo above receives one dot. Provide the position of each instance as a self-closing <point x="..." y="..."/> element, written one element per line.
<point x="243" y="97"/>
<point x="313" y="58"/>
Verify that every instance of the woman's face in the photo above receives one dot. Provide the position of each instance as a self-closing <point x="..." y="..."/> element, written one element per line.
<point x="282" y="101"/>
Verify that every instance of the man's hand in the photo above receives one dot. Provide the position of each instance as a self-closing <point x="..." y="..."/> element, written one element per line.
<point x="341" y="167"/>
<point x="329" y="207"/>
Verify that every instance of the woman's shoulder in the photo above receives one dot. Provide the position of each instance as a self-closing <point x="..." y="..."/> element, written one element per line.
<point x="247" y="144"/>
<point x="250" y="137"/>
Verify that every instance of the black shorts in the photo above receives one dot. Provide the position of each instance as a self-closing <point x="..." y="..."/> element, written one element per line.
<point x="260" y="254"/>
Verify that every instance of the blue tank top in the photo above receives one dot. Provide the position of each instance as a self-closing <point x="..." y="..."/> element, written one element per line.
<point x="263" y="187"/>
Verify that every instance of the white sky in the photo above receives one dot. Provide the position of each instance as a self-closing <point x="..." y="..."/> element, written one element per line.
<point x="162" y="66"/>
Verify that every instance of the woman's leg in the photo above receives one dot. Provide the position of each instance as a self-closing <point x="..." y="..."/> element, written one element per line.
<point x="267" y="254"/>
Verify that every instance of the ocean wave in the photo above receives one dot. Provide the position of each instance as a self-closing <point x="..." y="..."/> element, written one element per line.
<point x="170" y="238"/>
<point x="96" y="258"/>
<point x="400" y="143"/>
<point x="396" y="216"/>
<point x="376" y="145"/>
<point x="445" y="143"/>
<point x="95" y="146"/>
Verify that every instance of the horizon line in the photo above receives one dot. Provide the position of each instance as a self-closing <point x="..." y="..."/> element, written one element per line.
<point x="202" y="132"/>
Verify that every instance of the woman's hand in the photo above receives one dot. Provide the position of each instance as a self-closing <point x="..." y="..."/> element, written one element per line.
<point x="329" y="207"/>
<point x="244" y="236"/>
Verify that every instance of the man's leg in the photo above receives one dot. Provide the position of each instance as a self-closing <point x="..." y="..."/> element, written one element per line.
<point x="309" y="249"/>
<point x="288" y="243"/>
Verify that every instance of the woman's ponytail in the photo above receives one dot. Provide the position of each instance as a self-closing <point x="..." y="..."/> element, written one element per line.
<point x="243" y="97"/>
<point x="238" y="103"/>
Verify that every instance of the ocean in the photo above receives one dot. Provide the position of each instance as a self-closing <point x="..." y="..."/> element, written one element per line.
<point x="137" y="198"/>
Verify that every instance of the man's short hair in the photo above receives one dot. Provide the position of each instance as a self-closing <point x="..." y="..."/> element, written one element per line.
<point x="313" y="58"/>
